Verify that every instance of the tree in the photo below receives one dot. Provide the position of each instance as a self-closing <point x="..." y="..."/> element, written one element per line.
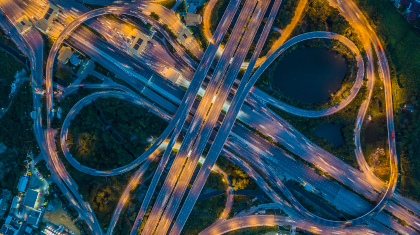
<point x="154" y="16"/>
<point x="64" y="74"/>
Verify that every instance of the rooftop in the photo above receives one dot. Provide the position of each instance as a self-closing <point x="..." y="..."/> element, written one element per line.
<point x="30" y="198"/>
<point x="23" y="24"/>
<point x="192" y="19"/>
<point x="47" y="17"/>
<point x="64" y="54"/>
<point x="185" y="36"/>
<point x="139" y="43"/>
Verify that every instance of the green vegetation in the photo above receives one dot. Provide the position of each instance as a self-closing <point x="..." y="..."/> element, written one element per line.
<point x="215" y="181"/>
<point x="181" y="8"/>
<point x="271" y="39"/>
<point x="101" y="69"/>
<point x="102" y="193"/>
<point x="43" y="169"/>
<point x="91" y="6"/>
<point x="67" y="103"/>
<point x="9" y="67"/>
<point x="139" y="22"/>
<point x="170" y="47"/>
<point x="374" y="131"/>
<point x="241" y="203"/>
<point x="285" y="14"/>
<point x="96" y="147"/>
<point x="48" y="42"/>
<point x="400" y="41"/>
<point x="71" y="211"/>
<point x="207" y="211"/>
<point x="239" y="179"/>
<point x="5" y="39"/>
<point x="217" y="13"/>
<point x="64" y="74"/>
<point x="255" y="230"/>
<point x="170" y="32"/>
<point x="168" y="3"/>
<point x="191" y="54"/>
<point x="283" y="18"/>
<point x="198" y="33"/>
<point x="130" y="210"/>
<point x="92" y="79"/>
<point x="18" y="136"/>
<point x="154" y="16"/>
<point x="204" y="214"/>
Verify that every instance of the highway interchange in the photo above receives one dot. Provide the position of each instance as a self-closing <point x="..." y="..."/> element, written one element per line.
<point x="31" y="44"/>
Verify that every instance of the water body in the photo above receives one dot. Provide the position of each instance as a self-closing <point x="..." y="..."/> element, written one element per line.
<point x="331" y="132"/>
<point x="310" y="74"/>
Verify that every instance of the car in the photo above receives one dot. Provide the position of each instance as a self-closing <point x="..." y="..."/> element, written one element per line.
<point x="29" y="173"/>
<point x="82" y="85"/>
<point x="38" y="174"/>
<point x="42" y="179"/>
<point x="10" y="33"/>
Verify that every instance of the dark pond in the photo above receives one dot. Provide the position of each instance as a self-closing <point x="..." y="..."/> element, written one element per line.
<point x="310" y="74"/>
<point x="331" y="132"/>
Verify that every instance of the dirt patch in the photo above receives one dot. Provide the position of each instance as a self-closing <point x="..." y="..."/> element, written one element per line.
<point x="60" y="217"/>
<point x="378" y="161"/>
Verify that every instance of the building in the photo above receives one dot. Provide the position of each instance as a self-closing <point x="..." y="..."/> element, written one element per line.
<point x="23" y="24"/>
<point x="64" y="54"/>
<point x="83" y="65"/>
<point x="30" y="199"/>
<point x="23" y="181"/>
<point x="45" y="22"/>
<point x="34" y="217"/>
<point x="172" y="75"/>
<point x="15" y="203"/>
<point x="139" y="43"/>
<point x="75" y="60"/>
<point x="11" y="226"/>
<point x="185" y="36"/>
<point x="192" y="19"/>
<point x="28" y="230"/>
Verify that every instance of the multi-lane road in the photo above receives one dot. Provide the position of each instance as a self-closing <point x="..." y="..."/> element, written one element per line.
<point x="211" y="97"/>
